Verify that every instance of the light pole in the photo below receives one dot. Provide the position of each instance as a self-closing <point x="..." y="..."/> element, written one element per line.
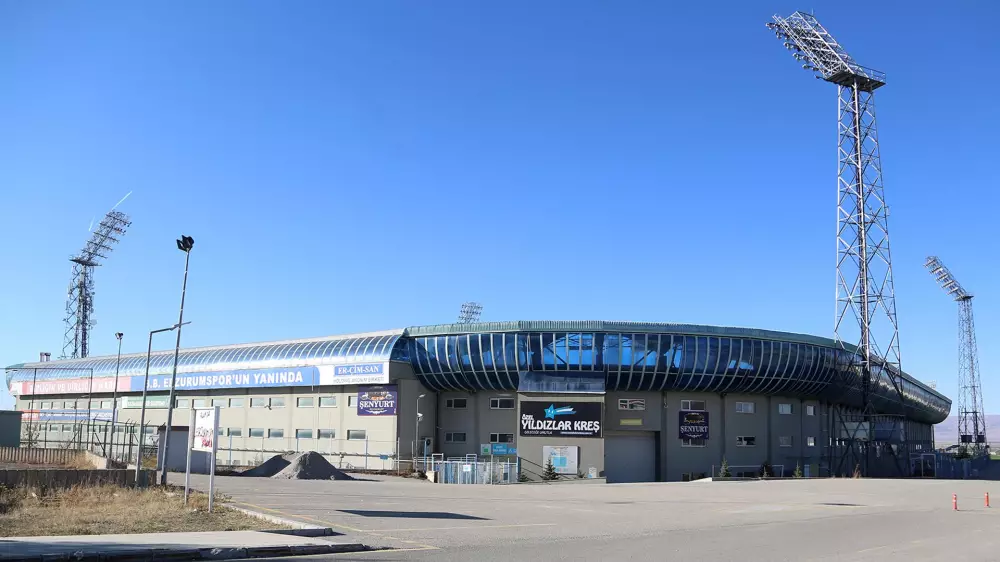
<point x="184" y="244"/>
<point x="114" y="394"/>
<point x="142" y="415"/>
<point x="416" y="433"/>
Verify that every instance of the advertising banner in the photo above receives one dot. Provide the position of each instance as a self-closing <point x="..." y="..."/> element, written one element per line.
<point x="693" y="424"/>
<point x="205" y="430"/>
<point x="70" y="386"/>
<point x="66" y="415"/>
<point x="565" y="460"/>
<point x="377" y="401"/>
<point x="251" y="378"/>
<point x="357" y="373"/>
<point x="561" y="419"/>
<point x="158" y="402"/>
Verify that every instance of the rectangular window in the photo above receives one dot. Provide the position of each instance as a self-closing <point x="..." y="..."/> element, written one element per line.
<point x="632" y="404"/>
<point x="454" y="437"/>
<point x="45" y="406"/>
<point x="784" y="409"/>
<point x="327" y="401"/>
<point x="68" y="428"/>
<point x="220" y="402"/>
<point x="810" y="441"/>
<point x="235" y="402"/>
<point x="95" y="404"/>
<point x="259" y="402"/>
<point x="328" y="434"/>
<point x="220" y="431"/>
<point x="456" y="403"/>
<point x="183" y="402"/>
<point x="746" y="441"/>
<point x="200" y="403"/>
<point x="305" y="402"/>
<point x="352" y="401"/>
<point x="148" y="430"/>
<point x="356" y="435"/>
<point x="810" y="410"/>
<point x="275" y="433"/>
<point x="256" y="432"/>
<point x="696" y="405"/>
<point x="54" y="427"/>
<point x="303" y="434"/>
<point x="105" y="404"/>
<point x="69" y="405"/>
<point x="501" y="438"/>
<point x="277" y="402"/>
<point x="693" y="442"/>
<point x="784" y="440"/>
<point x="502" y="403"/>
<point x="745" y="407"/>
<point x="235" y="432"/>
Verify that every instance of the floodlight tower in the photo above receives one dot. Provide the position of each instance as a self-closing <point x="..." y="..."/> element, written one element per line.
<point x="865" y="297"/>
<point x="971" y="419"/>
<point x="470" y="312"/>
<point x="80" y="300"/>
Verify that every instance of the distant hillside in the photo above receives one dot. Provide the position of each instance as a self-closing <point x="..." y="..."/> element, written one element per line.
<point x="946" y="432"/>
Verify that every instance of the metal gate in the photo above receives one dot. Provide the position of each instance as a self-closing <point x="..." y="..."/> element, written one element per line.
<point x="471" y="470"/>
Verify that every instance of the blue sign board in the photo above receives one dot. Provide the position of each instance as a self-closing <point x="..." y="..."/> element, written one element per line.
<point x="502" y="449"/>
<point x="377" y="401"/>
<point x="253" y="378"/>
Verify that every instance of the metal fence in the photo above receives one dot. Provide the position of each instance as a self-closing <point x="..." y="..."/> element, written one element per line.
<point x="117" y="442"/>
<point x="472" y="470"/>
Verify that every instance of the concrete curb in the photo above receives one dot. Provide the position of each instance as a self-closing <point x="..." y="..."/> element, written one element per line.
<point x="298" y="528"/>
<point x="193" y="553"/>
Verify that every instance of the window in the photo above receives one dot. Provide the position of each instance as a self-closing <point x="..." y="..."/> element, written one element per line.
<point x="220" y="431"/>
<point x="199" y="403"/>
<point x="352" y="401"/>
<point x="327" y="401"/>
<point x="456" y="403"/>
<point x="54" y="427"/>
<point x="258" y="402"/>
<point x="68" y="428"/>
<point x="235" y="432"/>
<point x="784" y="409"/>
<point x="256" y="432"/>
<point x="693" y="442"/>
<point x="632" y="404"/>
<point x="810" y="441"/>
<point x="45" y="406"/>
<point x="502" y="403"/>
<point x="501" y="438"/>
<point x="220" y="402"/>
<point x="95" y="404"/>
<point x="746" y="441"/>
<point x="183" y="403"/>
<point x="69" y="405"/>
<point x="148" y="430"/>
<point x="235" y="402"/>
<point x="305" y="402"/>
<point x="745" y="407"/>
<point x="784" y="440"/>
<point x="696" y="405"/>
<point x="303" y="434"/>
<point x="356" y="434"/>
<point x="810" y="410"/>
<point x="277" y="402"/>
<point x="454" y="437"/>
<point x="328" y="434"/>
<point x="275" y="433"/>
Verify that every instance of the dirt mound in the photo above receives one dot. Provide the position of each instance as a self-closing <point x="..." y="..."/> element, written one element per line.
<point x="272" y="466"/>
<point x="311" y="466"/>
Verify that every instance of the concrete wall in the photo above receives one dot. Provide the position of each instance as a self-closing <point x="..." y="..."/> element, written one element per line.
<point x="478" y="421"/>
<point x="679" y="460"/>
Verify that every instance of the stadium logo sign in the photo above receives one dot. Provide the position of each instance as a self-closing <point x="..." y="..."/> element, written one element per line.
<point x="575" y="419"/>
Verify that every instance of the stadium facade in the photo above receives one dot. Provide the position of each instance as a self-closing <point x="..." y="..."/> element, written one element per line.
<point x="629" y="401"/>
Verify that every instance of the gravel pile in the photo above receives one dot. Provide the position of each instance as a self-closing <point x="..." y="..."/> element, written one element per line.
<point x="271" y="466"/>
<point x="311" y="466"/>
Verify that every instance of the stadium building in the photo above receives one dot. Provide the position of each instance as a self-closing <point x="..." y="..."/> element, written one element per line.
<point x="623" y="400"/>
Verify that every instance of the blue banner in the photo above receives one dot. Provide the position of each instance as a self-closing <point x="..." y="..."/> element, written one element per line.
<point x="256" y="378"/>
<point x="377" y="401"/>
<point x="502" y="449"/>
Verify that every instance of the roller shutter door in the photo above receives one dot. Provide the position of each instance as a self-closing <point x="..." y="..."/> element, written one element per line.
<point x="630" y="456"/>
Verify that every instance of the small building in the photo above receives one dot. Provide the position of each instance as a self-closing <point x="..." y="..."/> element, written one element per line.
<point x="10" y="428"/>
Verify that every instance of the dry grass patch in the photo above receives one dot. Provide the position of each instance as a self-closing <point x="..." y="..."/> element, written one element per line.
<point x="112" y="510"/>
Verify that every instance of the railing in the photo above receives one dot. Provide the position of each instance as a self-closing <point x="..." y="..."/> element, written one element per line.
<point x="472" y="470"/>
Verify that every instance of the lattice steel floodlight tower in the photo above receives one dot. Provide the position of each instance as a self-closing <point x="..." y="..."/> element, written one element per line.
<point x="470" y="312"/>
<point x="971" y="418"/>
<point x="79" y="318"/>
<point x="865" y="298"/>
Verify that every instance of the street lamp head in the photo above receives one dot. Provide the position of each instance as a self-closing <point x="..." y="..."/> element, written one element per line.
<point x="421" y="396"/>
<point x="185" y="243"/>
<point x="119" y="335"/>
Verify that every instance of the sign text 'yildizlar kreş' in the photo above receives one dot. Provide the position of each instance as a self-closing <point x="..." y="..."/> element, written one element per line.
<point x="561" y="419"/>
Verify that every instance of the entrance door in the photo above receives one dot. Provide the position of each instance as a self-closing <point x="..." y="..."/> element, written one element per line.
<point x="630" y="456"/>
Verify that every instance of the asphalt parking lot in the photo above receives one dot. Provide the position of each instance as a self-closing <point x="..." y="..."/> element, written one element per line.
<point x="836" y="519"/>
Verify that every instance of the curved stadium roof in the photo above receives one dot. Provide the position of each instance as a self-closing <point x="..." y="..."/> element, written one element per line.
<point x="545" y="355"/>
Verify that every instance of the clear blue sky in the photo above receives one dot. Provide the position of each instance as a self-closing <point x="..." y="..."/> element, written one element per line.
<point x="350" y="166"/>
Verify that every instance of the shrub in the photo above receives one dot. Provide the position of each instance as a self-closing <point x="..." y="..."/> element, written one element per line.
<point x="550" y="471"/>
<point x="798" y="471"/>
<point x="10" y="499"/>
<point x="724" y="471"/>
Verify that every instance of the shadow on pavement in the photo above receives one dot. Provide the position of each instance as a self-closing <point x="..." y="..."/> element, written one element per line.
<point x="412" y="514"/>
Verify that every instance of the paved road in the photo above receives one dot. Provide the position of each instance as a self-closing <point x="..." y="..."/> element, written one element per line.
<point x="814" y="520"/>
